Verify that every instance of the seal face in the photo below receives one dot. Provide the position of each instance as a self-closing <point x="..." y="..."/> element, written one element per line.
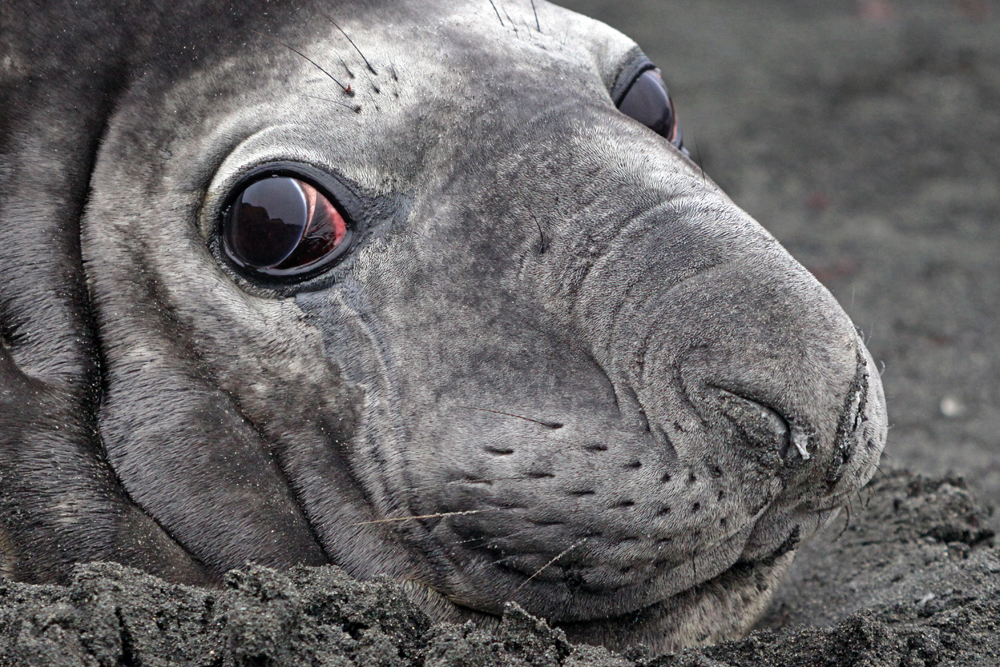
<point x="422" y="289"/>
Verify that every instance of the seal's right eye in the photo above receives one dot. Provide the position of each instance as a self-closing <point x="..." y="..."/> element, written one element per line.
<point x="640" y="93"/>
<point x="283" y="226"/>
<point x="647" y="101"/>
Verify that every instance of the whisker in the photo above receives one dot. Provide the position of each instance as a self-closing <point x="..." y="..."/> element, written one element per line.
<point x="346" y="89"/>
<point x="542" y="243"/>
<point x="547" y="424"/>
<point x="482" y="480"/>
<point x="489" y="540"/>
<point x="535" y="9"/>
<point x="509" y="19"/>
<point x="426" y="516"/>
<point x="489" y="479"/>
<point x="497" y="11"/>
<point x="346" y="68"/>
<point x="356" y="108"/>
<point x="370" y="68"/>
<point x="539" y="570"/>
<point x="697" y="160"/>
<point x="847" y="523"/>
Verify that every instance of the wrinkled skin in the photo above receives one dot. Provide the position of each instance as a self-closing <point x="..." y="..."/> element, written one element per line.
<point x="626" y="403"/>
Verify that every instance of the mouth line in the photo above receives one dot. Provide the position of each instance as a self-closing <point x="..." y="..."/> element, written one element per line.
<point x="725" y="580"/>
<point x="737" y="570"/>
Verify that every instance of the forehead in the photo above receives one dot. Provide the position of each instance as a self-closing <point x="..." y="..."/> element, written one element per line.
<point x="485" y="35"/>
<point x="351" y="51"/>
<point x="368" y="89"/>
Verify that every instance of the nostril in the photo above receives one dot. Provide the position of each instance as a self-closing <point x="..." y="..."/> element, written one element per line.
<point x="853" y="414"/>
<point x="762" y="428"/>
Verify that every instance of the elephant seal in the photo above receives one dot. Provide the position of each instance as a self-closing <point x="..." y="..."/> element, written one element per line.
<point x="426" y="290"/>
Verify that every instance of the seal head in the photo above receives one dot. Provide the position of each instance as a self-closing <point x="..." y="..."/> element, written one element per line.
<point x="504" y="341"/>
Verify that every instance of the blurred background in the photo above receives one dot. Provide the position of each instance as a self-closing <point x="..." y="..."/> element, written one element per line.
<point x="865" y="135"/>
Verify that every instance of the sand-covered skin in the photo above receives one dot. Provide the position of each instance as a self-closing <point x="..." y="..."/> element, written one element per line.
<point x="917" y="563"/>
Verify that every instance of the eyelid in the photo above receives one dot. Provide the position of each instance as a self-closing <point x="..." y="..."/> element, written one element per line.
<point x="636" y="64"/>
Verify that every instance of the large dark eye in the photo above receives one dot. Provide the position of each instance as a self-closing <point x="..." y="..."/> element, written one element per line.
<point x="283" y="226"/>
<point x="647" y="101"/>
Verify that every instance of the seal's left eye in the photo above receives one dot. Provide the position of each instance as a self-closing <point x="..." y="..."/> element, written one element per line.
<point x="647" y="101"/>
<point x="283" y="226"/>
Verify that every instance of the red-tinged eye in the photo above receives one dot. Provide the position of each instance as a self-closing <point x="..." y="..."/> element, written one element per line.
<point x="647" y="101"/>
<point x="283" y="226"/>
<point x="644" y="97"/>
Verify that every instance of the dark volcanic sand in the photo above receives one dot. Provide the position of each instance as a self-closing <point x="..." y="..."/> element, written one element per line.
<point x="866" y="137"/>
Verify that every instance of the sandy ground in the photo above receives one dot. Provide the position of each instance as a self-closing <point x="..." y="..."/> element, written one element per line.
<point x="866" y="136"/>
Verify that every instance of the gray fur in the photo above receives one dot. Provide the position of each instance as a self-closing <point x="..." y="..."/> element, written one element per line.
<point x="555" y="331"/>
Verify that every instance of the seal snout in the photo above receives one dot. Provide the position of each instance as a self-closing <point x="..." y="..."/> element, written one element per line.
<point x="817" y="422"/>
<point x="725" y="420"/>
<point x="775" y="387"/>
